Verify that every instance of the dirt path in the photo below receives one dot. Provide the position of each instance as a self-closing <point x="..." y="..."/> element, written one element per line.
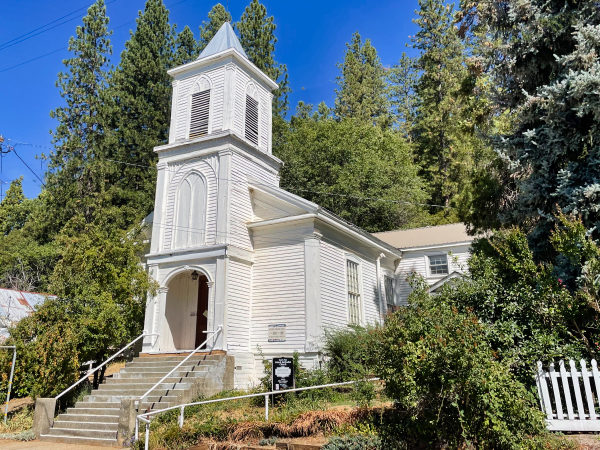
<point x="17" y="403"/>
<point x="586" y="441"/>
<point x="38" y="445"/>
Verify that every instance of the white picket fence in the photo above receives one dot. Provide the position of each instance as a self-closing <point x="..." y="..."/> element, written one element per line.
<point x="582" y="414"/>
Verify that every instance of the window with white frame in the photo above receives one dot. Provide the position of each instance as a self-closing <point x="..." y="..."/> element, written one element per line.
<point x="438" y="265"/>
<point x="388" y="285"/>
<point x="354" y="306"/>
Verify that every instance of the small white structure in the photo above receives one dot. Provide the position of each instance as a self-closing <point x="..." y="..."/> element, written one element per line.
<point x="439" y="254"/>
<point x="230" y="248"/>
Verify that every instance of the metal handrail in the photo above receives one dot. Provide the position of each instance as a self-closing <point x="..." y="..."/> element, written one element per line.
<point x="214" y="335"/>
<point x="12" y="372"/>
<point x="89" y="372"/>
<point x="145" y="417"/>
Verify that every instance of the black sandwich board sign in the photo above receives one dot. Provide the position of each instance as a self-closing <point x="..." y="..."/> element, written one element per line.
<point x="283" y="374"/>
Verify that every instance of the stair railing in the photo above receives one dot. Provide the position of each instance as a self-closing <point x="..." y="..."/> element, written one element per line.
<point x="214" y="335"/>
<point x="91" y="371"/>
<point x="146" y="417"/>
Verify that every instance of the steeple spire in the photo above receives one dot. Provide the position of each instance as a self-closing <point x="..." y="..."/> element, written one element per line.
<point x="223" y="40"/>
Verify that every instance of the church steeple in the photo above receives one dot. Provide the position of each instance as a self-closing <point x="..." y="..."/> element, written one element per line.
<point x="222" y="91"/>
<point x="223" y="40"/>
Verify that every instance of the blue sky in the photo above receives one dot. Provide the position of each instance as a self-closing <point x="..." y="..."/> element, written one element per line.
<point x="311" y="33"/>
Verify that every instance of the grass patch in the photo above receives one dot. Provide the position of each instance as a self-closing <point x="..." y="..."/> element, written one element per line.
<point x="229" y="424"/>
<point x="19" y="420"/>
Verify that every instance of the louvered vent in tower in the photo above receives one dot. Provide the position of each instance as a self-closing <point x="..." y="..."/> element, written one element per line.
<point x="251" y="120"/>
<point x="200" y="113"/>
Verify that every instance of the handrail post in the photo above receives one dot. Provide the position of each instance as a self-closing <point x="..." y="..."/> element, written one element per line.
<point x="137" y="428"/>
<point x="12" y="372"/>
<point x="147" y="435"/>
<point x="266" y="408"/>
<point x="181" y="416"/>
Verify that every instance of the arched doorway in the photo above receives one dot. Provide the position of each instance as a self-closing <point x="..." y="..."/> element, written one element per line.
<point x="186" y="312"/>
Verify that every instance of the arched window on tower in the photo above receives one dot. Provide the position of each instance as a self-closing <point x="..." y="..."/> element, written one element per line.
<point x="190" y="219"/>
<point x="251" y="119"/>
<point x="200" y="109"/>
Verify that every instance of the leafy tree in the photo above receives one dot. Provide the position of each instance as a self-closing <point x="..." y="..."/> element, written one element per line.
<point x="402" y="79"/>
<point x="14" y="208"/>
<point x="101" y="290"/>
<point x="74" y="180"/>
<point x="442" y="151"/>
<point x="543" y="62"/>
<point x="257" y="36"/>
<point x="186" y="47"/>
<point x="364" y="174"/>
<point x="362" y="93"/>
<point x="217" y="16"/>
<point x="25" y="264"/>
<point x="141" y="102"/>
<point x="450" y="388"/>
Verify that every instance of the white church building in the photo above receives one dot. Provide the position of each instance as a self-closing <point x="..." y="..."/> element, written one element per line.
<point x="229" y="248"/>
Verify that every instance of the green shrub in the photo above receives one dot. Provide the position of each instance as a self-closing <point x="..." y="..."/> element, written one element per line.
<point x="347" y="350"/>
<point x="447" y="381"/>
<point x="353" y="443"/>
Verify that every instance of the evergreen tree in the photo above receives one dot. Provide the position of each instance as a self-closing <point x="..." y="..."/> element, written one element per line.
<point x="75" y="179"/>
<point x="544" y="63"/>
<point x="362" y="93"/>
<point x="402" y="80"/>
<point x="258" y="41"/>
<point x="14" y="208"/>
<point x="186" y="48"/>
<point x="441" y="148"/>
<point x="141" y="93"/>
<point x="217" y="16"/>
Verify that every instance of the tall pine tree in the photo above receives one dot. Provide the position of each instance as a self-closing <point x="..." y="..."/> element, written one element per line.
<point x="362" y="93"/>
<point x="402" y="80"/>
<point x="186" y="47"/>
<point x="442" y="152"/>
<point x="257" y="36"/>
<point x="217" y="16"/>
<point x="75" y="178"/>
<point x="141" y="93"/>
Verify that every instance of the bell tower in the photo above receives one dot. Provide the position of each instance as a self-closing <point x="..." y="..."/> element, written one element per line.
<point x="219" y="148"/>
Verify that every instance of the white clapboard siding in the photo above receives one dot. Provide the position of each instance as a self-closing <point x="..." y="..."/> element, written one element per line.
<point x="177" y="173"/>
<point x="578" y="388"/>
<point x="417" y="261"/>
<point x="334" y="298"/>
<point x="239" y="297"/>
<point x="278" y="289"/>
<point x="265" y="100"/>
<point x="241" y="81"/>
<point x="241" y="202"/>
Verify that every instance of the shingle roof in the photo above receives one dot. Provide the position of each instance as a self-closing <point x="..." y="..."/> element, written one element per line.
<point x="223" y="40"/>
<point x="425" y="237"/>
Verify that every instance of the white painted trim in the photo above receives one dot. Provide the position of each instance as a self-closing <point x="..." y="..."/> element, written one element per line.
<point x="237" y="56"/>
<point x="187" y="254"/>
<point x="312" y="291"/>
<point x="430" y="247"/>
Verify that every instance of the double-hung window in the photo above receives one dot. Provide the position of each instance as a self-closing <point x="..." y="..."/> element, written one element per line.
<point x="353" y="282"/>
<point x="388" y="285"/>
<point x="438" y="265"/>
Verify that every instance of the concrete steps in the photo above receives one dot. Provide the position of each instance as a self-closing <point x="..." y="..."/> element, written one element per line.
<point x="95" y="419"/>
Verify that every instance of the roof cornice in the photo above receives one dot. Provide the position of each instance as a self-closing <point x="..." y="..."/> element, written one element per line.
<point x="230" y="52"/>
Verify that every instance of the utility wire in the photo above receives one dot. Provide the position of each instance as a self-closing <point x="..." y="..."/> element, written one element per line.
<point x="9" y="44"/>
<point x="14" y="150"/>
<point x="65" y="48"/>
<point x="332" y="194"/>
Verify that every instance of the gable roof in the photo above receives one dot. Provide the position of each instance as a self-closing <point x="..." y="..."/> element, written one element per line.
<point x="223" y="40"/>
<point x="428" y="236"/>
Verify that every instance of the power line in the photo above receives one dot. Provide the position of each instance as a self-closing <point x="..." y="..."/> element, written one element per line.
<point x="30" y="169"/>
<point x="332" y="194"/>
<point x="9" y="44"/>
<point x="65" y="48"/>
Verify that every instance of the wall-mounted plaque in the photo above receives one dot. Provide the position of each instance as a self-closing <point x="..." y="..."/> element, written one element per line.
<point x="277" y="333"/>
